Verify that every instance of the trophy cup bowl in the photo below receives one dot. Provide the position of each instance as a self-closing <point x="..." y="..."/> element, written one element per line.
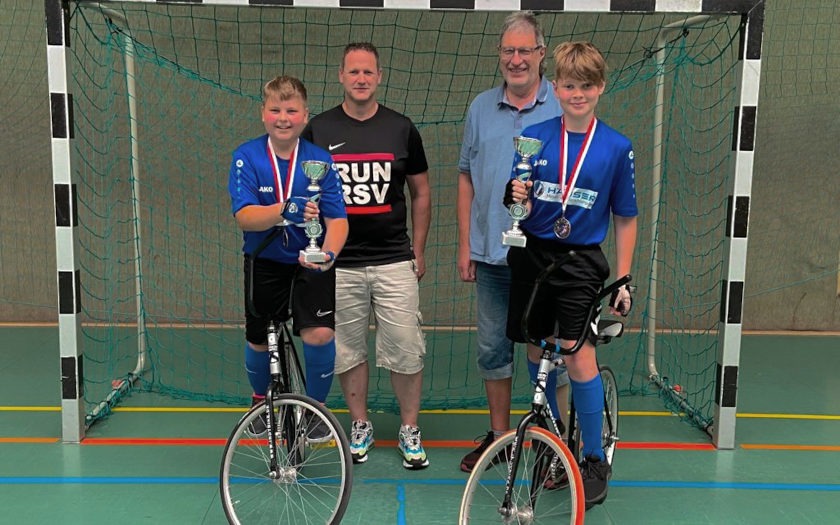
<point x="526" y="147"/>
<point x="314" y="171"/>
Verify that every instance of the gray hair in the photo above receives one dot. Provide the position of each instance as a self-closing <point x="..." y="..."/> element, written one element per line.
<point x="525" y="20"/>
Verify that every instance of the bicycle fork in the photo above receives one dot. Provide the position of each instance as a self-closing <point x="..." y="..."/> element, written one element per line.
<point x="271" y="420"/>
<point x="538" y="405"/>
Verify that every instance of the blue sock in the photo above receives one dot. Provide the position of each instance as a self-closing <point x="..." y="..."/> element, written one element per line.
<point x="320" y="366"/>
<point x="589" y="405"/>
<point x="550" y="387"/>
<point x="256" y="364"/>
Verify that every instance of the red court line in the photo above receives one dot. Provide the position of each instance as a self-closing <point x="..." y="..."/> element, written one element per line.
<point x="442" y="443"/>
<point x="200" y="442"/>
<point x="218" y="442"/>
<point x="822" y="448"/>
<point x="664" y="445"/>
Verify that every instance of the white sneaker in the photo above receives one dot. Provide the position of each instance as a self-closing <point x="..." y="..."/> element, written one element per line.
<point x="361" y="440"/>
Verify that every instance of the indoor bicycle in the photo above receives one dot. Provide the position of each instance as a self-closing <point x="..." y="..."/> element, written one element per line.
<point x="281" y="476"/>
<point x="518" y="477"/>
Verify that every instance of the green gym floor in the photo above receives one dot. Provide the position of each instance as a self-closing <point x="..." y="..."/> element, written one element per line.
<point x="156" y="460"/>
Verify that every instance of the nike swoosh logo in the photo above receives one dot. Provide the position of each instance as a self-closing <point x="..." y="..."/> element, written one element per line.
<point x="319" y="313"/>
<point x="335" y="146"/>
<point x="324" y="376"/>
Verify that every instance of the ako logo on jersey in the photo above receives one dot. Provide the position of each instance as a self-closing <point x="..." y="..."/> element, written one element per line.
<point x="365" y="178"/>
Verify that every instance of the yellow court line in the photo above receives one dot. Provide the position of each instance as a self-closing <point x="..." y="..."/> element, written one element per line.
<point x="179" y="409"/>
<point x="478" y="411"/>
<point x="19" y="440"/>
<point x="816" y="417"/>
<point x="30" y="409"/>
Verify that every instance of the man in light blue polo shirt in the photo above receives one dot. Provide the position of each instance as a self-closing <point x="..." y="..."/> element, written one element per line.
<point x="494" y="118"/>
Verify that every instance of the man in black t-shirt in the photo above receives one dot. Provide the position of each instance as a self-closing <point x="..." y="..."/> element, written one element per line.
<point x="377" y="152"/>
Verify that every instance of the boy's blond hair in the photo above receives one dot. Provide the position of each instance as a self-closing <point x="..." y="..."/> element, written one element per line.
<point x="580" y="61"/>
<point x="284" y="87"/>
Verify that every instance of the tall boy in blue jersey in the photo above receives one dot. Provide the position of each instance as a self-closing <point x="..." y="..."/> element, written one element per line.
<point x="584" y="173"/>
<point x="494" y="118"/>
<point x="269" y="190"/>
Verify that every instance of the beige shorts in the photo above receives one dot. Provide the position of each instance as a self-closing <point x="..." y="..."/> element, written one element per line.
<point x="391" y="291"/>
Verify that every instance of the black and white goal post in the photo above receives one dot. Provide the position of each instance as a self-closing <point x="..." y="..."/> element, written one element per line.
<point x="737" y="224"/>
<point x="66" y="223"/>
<point x="663" y="18"/>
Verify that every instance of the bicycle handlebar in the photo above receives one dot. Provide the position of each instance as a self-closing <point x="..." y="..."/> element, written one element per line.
<point x="593" y="308"/>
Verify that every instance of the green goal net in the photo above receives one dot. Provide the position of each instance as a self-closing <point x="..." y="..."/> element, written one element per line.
<point x="163" y="93"/>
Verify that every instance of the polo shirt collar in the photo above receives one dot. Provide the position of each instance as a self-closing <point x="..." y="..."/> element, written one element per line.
<point x="542" y="93"/>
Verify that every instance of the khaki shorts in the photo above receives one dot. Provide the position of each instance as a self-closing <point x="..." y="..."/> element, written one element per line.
<point x="391" y="291"/>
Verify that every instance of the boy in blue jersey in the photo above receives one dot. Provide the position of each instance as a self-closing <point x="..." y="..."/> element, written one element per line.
<point x="268" y="190"/>
<point x="495" y="117"/>
<point x="584" y="174"/>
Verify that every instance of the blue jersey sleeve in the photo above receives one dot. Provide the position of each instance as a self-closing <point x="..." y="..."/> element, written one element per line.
<point x="623" y="195"/>
<point x="242" y="181"/>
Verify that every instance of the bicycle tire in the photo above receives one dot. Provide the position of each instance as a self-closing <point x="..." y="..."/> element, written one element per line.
<point x="609" y="427"/>
<point x="294" y="370"/>
<point x="609" y="434"/>
<point x="313" y="488"/>
<point x="531" y="501"/>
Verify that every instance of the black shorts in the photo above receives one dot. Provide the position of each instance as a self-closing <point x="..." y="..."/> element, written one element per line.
<point x="562" y="303"/>
<point x="313" y="304"/>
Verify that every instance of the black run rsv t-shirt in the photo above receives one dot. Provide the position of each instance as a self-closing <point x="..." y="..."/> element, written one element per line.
<point x="373" y="157"/>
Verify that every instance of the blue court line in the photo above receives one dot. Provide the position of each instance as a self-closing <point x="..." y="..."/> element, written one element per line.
<point x="401" y="483"/>
<point x="727" y="485"/>
<point x="401" y="506"/>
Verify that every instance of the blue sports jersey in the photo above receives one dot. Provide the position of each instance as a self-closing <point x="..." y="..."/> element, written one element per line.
<point x="252" y="182"/>
<point x="606" y="184"/>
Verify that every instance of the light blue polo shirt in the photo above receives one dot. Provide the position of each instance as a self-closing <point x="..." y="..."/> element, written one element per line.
<point x="487" y="156"/>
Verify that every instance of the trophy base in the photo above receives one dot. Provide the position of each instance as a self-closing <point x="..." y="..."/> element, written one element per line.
<point x="515" y="240"/>
<point x="314" y="257"/>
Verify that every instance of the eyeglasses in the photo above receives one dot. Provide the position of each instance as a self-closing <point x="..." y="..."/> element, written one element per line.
<point x="524" y="52"/>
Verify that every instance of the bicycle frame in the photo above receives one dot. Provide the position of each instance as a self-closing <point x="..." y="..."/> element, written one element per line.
<point x="548" y="362"/>
<point x="278" y="364"/>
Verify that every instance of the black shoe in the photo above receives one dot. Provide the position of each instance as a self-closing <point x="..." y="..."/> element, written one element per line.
<point x="259" y="426"/>
<point x="469" y="461"/>
<point x="317" y="430"/>
<point x="596" y="475"/>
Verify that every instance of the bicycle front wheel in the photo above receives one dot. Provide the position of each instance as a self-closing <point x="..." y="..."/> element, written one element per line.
<point x="609" y="434"/>
<point x="310" y="484"/>
<point x="531" y="500"/>
<point x="294" y="370"/>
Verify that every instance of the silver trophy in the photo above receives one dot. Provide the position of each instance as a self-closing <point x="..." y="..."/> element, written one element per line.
<point x="314" y="171"/>
<point x="526" y="147"/>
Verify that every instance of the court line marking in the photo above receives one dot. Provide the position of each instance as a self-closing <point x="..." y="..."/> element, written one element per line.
<point x="400" y="483"/>
<point x="401" y="517"/>
<point x="477" y="411"/>
<point x="429" y="443"/>
<point x="442" y="328"/>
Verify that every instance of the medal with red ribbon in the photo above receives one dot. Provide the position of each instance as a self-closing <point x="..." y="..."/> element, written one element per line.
<point x="562" y="226"/>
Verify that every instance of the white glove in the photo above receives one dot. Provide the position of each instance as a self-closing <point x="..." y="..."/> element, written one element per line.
<point x="620" y="301"/>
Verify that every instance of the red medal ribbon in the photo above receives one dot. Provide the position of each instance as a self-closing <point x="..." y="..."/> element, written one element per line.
<point x="564" y="151"/>
<point x="290" y="173"/>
